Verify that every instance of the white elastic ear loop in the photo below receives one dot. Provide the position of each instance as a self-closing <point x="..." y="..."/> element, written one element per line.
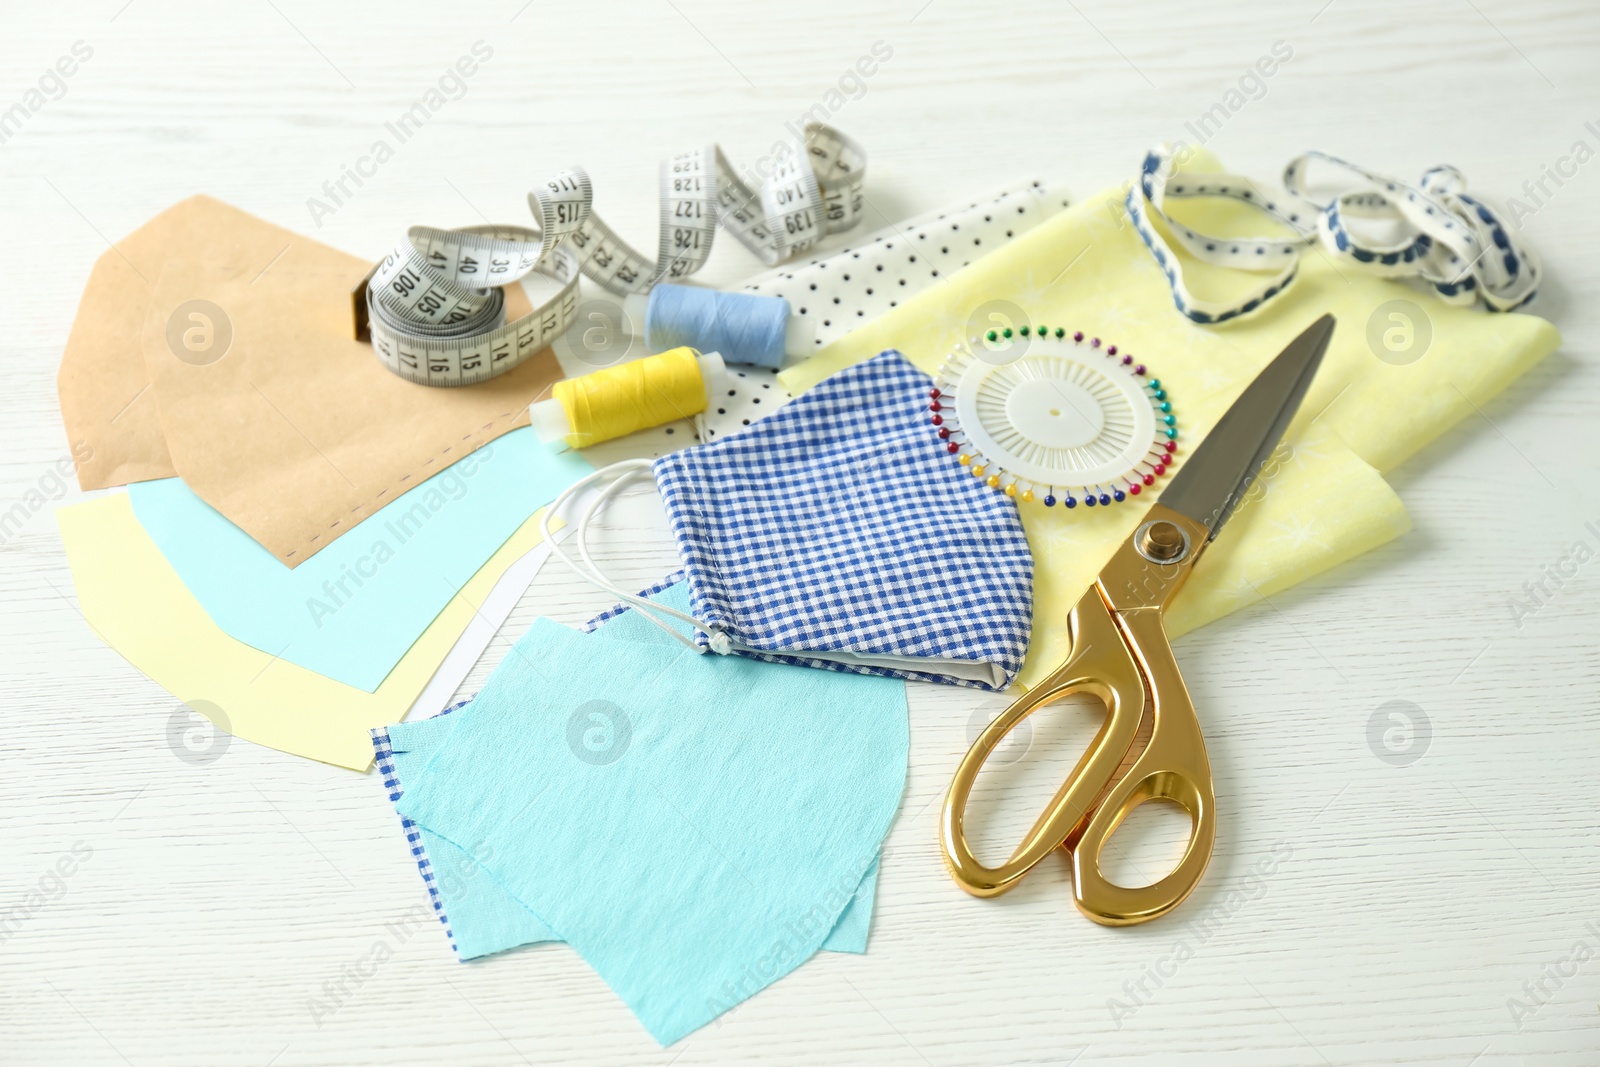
<point x="623" y="474"/>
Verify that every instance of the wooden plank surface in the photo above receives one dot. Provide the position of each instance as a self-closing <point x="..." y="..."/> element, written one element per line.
<point x="1356" y="912"/>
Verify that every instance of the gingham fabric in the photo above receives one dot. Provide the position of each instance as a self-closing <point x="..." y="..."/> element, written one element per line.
<point x="383" y="750"/>
<point x="838" y="524"/>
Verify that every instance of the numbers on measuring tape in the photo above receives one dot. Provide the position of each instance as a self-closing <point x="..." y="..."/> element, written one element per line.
<point x="436" y="303"/>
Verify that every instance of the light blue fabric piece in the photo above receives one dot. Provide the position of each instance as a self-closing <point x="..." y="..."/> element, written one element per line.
<point x="693" y="825"/>
<point x="481" y="915"/>
<point x="850" y="933"/>
<point x="353" y="609"/>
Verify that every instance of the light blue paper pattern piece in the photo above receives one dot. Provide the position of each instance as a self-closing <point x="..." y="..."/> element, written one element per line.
<point x="696" y="842"/>
<point x="352" y="610"/>
<point x="482" y="916"/>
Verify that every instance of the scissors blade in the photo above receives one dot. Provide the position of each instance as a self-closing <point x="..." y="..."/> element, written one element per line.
<point x="1210" y="486"/>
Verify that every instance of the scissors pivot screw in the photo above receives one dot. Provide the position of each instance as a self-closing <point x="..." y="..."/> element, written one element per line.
<point x="1120" y="654"/>
<point x="1162" y="542"/>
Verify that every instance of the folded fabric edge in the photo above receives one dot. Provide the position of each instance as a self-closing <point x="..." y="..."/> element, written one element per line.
<point x="383" y="757"/>
<point x="1374" y="488"/>
<point x="1497" y="376"/>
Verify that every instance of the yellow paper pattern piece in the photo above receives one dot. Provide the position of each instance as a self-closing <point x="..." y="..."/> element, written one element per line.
<point x="139" y="606"/>
<point x="1086" y="269"/>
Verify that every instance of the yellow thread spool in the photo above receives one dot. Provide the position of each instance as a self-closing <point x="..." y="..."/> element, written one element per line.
<point x="620" y="400"/>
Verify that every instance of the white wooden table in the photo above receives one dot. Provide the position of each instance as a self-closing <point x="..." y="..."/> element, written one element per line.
<point x="1407" y="909"/>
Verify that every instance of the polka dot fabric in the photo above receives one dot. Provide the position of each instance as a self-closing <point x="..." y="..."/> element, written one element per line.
<point x="842" y="290"/>
<point x="849" y="288"/>
<point x="846" y="289"/>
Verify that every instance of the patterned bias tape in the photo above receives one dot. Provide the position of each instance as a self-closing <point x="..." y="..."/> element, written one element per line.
<point x="1432" y="231"/>
<point x="435" y="305"/>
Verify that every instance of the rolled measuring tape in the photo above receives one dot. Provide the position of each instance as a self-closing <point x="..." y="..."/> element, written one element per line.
<point x="636" y="395"/>
<point x="434" y="307"/>
<point x="432" y="319"/>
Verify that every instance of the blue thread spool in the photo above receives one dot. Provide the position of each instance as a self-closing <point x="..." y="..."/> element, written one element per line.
<point x="744" y="327"/>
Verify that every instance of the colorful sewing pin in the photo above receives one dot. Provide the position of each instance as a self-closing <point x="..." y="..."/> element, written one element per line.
<point x="1033" y="410"/>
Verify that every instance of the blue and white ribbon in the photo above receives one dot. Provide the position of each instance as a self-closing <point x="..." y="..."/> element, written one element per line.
<point x="1433" y="232"/>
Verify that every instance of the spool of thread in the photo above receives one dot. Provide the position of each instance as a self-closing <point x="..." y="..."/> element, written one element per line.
<point x="638" y="395"/>
<point x="744" y="327"/>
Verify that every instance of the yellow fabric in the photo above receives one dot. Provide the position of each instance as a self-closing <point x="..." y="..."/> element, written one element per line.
<point x="632" y="396"/>
<point x="137" y="604"/>
<point x="1325" y="503"/>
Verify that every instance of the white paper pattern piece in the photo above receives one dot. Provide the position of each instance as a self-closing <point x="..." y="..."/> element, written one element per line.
<point x="486" y="622"/>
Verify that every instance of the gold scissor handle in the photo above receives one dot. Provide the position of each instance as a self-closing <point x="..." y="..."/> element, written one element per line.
<point x="1099" y="663"/>
<point x="1120" y="653"/>
<point x="1173" y="766"/>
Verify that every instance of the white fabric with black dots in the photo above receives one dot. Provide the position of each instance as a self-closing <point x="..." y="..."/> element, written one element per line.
<point x="849" y="288"/>
<point x="842" y="290"/>
<point x="846" y="289"/>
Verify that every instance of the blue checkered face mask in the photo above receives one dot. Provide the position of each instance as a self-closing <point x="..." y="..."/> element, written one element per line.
<point x="835" y="533"/>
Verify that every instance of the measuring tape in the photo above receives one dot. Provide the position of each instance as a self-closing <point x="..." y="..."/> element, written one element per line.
<point x="435" y="308"/>
<point x="1432" y="231"/>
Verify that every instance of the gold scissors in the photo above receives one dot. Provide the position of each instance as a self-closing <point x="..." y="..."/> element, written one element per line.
<point x="1119" y="653"/>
